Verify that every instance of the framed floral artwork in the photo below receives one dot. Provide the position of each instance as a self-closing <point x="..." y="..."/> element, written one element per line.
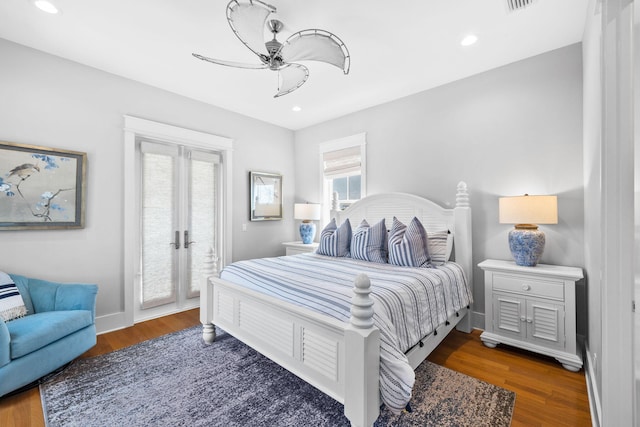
<point x="41" y="188"/>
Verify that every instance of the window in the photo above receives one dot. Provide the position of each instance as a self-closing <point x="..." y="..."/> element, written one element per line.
<point x="343" y="171"/>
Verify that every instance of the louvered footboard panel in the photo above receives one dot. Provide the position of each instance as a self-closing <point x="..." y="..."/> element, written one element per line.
<point x="308" y="344"/>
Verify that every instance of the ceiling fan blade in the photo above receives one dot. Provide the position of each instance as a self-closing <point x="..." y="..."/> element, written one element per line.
<point x="292" y="76"/>
<point x="232" y="63"/>
<point x="316" y="45"/>
<point x="247" y="20"/>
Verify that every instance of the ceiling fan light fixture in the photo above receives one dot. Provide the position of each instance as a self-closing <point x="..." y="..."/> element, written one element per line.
<point x="248" y="20"/>
<point x="468" y="40"/>
<point x="46" y="6"/>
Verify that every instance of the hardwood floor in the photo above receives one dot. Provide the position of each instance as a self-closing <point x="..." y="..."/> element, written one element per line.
<point x="546" y="393"/>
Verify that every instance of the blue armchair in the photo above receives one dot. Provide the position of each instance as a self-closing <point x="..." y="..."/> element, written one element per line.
<point x="59" y="326"/>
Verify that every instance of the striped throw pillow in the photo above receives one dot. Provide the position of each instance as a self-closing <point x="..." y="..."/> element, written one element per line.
<point x="335" y="241"/>
<point x="11" y="303"/>
<point x="370" y="243"/>
<point x="408" y="244"/>
<point x="440" y="245"/>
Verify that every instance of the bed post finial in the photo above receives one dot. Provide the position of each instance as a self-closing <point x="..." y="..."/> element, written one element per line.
<point x="210" y="269"/>
<point x="361" y="303"/>
<point x="362" y="358"/>
<point x="462" y="195"/>
<point x="210" y="263"/>
<point x="334" y="201"/>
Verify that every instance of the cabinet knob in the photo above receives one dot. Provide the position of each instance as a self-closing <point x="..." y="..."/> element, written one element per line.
<point x="523" y="319"/>
<point x="529" y="320"/>
<point x="526" y="287"/>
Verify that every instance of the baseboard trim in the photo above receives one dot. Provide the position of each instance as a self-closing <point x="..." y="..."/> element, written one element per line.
<point x="112" y="322"/>
<point x="592" y="390"/>
<point x="477" y="320"/>
<point x="117" y="321"/>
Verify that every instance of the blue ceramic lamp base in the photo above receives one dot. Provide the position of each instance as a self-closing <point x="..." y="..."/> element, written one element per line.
<point x="307" y="232"/>
<point x="527" y="245"/>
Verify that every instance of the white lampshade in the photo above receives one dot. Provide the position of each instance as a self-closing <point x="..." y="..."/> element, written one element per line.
<point x="528" y="210"/>
<point x="307" y="211"/>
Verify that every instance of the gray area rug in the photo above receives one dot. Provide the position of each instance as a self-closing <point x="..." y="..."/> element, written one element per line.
<point x="177" y="380"/>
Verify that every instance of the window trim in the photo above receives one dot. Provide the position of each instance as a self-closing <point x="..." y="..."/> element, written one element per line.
<point x="359" y="139"/>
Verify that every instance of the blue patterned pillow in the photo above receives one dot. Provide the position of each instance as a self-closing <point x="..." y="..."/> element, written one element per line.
<point x="408" y="244"/>
<point x="335" y="241"/>
<point x="370" y="243"/>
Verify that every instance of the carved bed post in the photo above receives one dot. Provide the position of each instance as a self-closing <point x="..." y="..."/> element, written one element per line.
<point x="464" y="255"/>
<point x="362" y="354"/>
<point x="206" y="296"/>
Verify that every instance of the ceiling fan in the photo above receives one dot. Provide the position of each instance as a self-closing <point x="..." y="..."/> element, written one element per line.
<point x="248" y="20"/>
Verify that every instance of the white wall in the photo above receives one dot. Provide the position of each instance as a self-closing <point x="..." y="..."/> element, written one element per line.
<point x="509" y="131"/>
<point x="52" y="102"/>
<point x="592" y="196"/>
<point x="609" y="199"/>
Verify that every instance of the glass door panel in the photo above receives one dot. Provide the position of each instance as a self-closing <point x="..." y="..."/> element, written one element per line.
<point x="158" y="229"/>
<point x="203" y="215"/>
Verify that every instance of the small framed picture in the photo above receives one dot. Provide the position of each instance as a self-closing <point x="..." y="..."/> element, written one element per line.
<point x="41" y="188"/>
<point x="266" y="196"/>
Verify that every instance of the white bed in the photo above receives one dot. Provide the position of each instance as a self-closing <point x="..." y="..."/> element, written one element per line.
<point x="340" y="358"/>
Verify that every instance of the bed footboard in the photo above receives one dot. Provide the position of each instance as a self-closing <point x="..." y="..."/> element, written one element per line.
<point x="340" y="359"/>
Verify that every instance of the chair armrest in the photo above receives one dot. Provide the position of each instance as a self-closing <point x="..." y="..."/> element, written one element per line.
<point x="77" y="297"/>
<point x="5" y="341"/>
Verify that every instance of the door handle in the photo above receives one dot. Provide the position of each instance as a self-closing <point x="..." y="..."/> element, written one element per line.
<point x="176" y="242"/>
<point x="187" y="242"/>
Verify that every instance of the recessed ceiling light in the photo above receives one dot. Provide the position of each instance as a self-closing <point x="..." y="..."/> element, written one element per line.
<point x="46" y="6"/>
<point x="296" y="108"/>
<point x="469" y="40"/>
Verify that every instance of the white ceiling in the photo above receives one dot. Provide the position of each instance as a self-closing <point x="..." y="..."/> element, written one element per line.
<point x="397" y="48"/>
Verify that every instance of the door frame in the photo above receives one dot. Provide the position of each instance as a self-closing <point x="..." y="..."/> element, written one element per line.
<point x="135" y="128"/>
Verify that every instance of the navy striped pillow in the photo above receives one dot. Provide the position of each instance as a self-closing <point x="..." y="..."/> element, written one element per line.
<point x="11" y="303"/>
<point x="335" y="241"/>
<point x="408" y="244"/>
<point x="370" y="243"/>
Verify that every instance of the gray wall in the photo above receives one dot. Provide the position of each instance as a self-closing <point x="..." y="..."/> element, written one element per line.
<point x="509" y="131"/>
<point x="53" y="102"/>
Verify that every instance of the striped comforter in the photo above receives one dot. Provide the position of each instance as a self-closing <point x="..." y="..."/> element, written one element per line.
<point x="409" y="303"/>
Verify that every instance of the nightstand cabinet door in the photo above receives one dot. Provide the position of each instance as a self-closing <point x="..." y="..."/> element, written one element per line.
<point x="532" y="308"/>
<point x="509" y="316"/>
<point x="545" y="324"/>
<point x="532" y="320"/>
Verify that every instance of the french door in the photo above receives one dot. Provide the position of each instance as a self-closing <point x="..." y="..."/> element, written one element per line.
<point x="179" y="210"/>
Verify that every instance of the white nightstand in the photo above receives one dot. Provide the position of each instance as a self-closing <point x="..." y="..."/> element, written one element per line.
<point x="294" y="248"/>
<point x="532" y="308"/>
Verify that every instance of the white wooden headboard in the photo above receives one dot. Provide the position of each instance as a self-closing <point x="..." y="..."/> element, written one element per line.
<point x="433" y="216"/>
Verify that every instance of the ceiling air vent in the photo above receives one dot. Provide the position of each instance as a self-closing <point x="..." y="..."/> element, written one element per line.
<point x="514" y="5"/>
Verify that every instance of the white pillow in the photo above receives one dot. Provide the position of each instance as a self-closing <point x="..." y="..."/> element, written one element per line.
<point x="440" y="245"/>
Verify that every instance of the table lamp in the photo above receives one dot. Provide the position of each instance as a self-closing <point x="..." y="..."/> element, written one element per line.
<point x="526" y="212"/>
<point x="307" y="212"/>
